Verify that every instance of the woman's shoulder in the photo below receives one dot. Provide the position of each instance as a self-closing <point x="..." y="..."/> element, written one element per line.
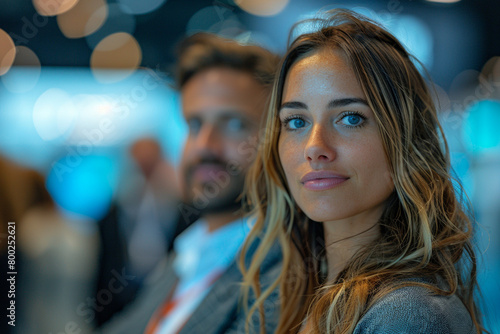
<point x="416" y="309"/>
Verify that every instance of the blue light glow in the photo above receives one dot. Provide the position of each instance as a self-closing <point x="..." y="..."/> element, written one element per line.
<point x="83" y="186"/>
<point x="481" y="127"/>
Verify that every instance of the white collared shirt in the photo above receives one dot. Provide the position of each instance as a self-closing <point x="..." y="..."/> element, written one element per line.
<point x="201" y="257"/>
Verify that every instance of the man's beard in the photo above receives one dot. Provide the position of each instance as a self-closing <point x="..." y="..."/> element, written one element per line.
<point x="214" y="196"/>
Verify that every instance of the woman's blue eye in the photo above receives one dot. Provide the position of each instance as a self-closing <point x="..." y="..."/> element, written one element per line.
<point x="296" y="123"/>
<point x="352" y="120"/>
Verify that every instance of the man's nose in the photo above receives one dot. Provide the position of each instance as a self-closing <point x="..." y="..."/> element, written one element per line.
<point x="209" y="139"/>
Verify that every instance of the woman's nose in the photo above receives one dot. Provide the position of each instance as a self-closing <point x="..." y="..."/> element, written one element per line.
<point x="319" y="147"/>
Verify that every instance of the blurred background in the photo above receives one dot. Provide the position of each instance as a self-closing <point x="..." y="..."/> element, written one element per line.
<point x="86" y="84"/>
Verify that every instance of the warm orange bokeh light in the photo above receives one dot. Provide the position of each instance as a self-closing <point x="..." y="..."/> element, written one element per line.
<point x="119" y="51"/>
<point x="53" y="7"/>
<point x="262" y="7"/>
<point x="491" y="70"/>
<point x="28" y="62"/>
<point x="7" y="52"/>
<point x="83" y="19"/>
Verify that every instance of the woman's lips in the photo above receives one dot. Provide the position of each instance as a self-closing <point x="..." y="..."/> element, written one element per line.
<point x="322" y="180"/>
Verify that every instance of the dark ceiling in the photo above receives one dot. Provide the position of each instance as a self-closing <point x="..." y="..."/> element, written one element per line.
<point x="159" y="31"/>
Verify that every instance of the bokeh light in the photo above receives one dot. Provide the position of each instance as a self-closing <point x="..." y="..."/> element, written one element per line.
<point x="416" y="36"/>
<point x="83" y="19"/>
<point x="496" y="70"/>
<point x="53" y="7"/>
<point x="444" y="1"/>
<point x="214" y="19"/>
<point x="411" y="31"/>
<point x="93" y="110"/>
<point x="82" y="184"/>
<point x="23" y="81"/>
<point x="442" y="99"/>
<point x="53" y="114"/>
<point x="119" y="51"/>
<point x="481" y="127"/>
<point x="117" y="21"/>
<point x="140" y="7"/>
<point x="7" y="52"/>
<point x="491" y="70"/>
<point x="262" y="7"/>
<point x="463" y="86"/>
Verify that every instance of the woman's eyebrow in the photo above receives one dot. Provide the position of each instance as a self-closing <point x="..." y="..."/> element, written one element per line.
<point x="337" y="103"/>
<point x="293" y="105"/>
<point x="345" y="101"/>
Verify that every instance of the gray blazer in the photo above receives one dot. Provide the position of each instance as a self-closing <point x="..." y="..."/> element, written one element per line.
<point x="415" y="310"/>
<point x="219" y="312"/>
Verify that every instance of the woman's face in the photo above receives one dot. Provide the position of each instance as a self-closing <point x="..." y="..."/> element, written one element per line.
<point x="329" y="144"/>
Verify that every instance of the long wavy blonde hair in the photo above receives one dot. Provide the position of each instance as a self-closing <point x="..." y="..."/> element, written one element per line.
<point x="425" y="229"/>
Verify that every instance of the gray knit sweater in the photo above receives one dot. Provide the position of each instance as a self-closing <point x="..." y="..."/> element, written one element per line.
<point x="416" y="310"/>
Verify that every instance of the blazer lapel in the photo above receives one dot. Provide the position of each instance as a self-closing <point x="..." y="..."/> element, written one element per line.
<point x="161" y="285"/>
<point x="219" y="306"/>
